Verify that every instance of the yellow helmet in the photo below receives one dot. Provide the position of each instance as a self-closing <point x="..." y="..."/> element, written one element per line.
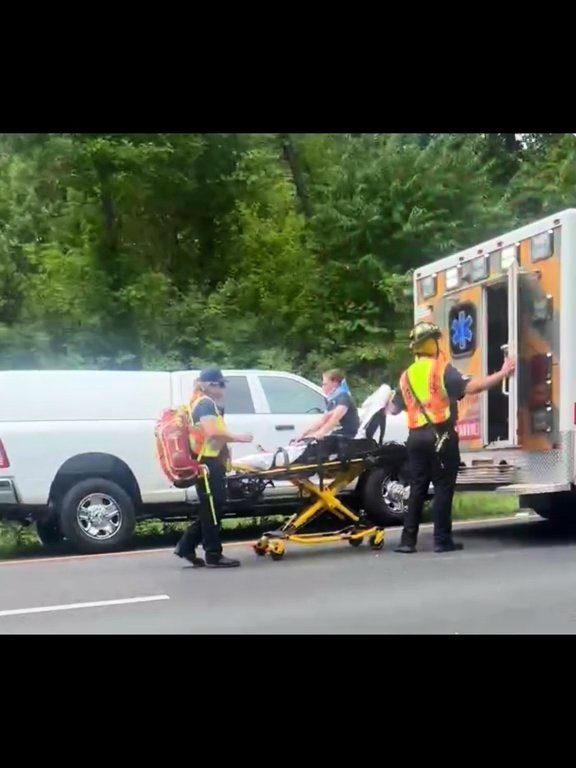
<point x="423" y="332"/>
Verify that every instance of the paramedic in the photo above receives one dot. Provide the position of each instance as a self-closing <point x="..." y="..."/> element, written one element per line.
<point x="207" y="411"/>
<point x="433" y="387"/>
<point x="341" y="417"/>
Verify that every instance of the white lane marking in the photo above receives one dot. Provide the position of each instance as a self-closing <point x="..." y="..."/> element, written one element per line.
<point x="78" y="606"/>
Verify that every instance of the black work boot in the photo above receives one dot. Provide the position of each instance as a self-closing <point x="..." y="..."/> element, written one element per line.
<point x="222" y="562"/>
<point x="448" y="546"/>
<point x="191" y="556"/>
<point x="406" y="549"/>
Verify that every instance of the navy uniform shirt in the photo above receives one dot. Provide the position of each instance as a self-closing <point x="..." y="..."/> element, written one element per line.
<point x="205" y="407"/>
<point x="350" y="422"/>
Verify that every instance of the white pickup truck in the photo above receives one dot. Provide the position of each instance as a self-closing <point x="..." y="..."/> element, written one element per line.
<point x="78" y="454"/>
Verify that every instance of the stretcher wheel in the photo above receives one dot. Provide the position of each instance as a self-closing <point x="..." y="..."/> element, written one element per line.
<point x="261" y="547"/>
<point x="377" y="541"/>
<point x="276" y="550"/>
<point x="355" y="542"/>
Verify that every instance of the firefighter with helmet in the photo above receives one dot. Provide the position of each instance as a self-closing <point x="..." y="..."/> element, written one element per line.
<point x="429" y="390"/>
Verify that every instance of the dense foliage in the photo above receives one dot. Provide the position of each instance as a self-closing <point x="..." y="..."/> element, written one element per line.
<point x="289" y="251"/>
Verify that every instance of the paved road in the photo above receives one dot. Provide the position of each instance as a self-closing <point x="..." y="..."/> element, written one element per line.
<point x="512" y="577"/>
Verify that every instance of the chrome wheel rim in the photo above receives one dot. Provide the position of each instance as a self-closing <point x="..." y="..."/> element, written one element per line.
<point x="99" y="516"/>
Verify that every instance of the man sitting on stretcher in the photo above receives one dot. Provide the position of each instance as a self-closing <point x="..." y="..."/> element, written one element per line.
<point x="341" y="417"/>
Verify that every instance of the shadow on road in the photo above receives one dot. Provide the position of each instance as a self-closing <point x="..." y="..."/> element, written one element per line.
<point x="534" y="533"/>
<point x="520" y="534"/>
<point x="32" y="549"/>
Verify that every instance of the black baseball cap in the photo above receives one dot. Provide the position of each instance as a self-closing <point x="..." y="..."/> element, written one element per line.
<point x="212" y="376"/>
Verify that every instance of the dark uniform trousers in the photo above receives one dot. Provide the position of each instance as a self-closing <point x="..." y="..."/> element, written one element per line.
<point x="427" y="466"/>
<point x="205" y="528"/>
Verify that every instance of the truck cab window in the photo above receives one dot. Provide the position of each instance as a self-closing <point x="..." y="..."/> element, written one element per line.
<point x="238" y="396"/>
<point x="289" y="396"/>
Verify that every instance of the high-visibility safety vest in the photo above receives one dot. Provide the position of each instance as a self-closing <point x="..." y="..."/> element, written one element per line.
<point x="202" y="446"/>
<point x="427" y="381"/>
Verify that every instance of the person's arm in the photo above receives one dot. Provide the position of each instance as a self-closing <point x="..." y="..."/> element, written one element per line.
<point x="333" y="419"/>
<point x="316" y="426"/>
<point x="341" y="405"/>
<point x="207" y="416"/>
<point x="395" y="404"/>
<point x="475" y="386"/>
<point x="211" y="429"/>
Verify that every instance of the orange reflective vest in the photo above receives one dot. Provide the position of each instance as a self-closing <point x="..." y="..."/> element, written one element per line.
<point x="427" y="381"/>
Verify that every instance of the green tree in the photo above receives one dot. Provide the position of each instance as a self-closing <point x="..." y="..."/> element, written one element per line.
<point x="546" y="182"/>
<point x="276" y="250"/>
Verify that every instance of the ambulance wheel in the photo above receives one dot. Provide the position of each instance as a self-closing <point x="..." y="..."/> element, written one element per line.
<point x="557" y="508"/>
<point x="276" y="550"/>
<point x="355" y="542"/>
<point x="97" y="515"/>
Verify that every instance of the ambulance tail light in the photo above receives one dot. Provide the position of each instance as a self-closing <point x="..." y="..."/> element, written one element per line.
<point x="540" y="399"/>
<point x="540" y="381"/>
<point x="542" y="419"/>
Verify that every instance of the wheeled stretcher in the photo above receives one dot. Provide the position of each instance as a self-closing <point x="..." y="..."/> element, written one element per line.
<point x="323" y="471"/>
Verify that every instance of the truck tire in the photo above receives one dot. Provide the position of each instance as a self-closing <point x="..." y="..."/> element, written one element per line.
<point x="97" y="515"/>
<point x="558" y="508"/>
<point x="49" y="533"/>
<point x="385" y="495"/>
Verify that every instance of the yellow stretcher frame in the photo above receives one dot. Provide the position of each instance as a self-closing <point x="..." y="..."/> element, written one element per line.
<point x="341" y="474"/>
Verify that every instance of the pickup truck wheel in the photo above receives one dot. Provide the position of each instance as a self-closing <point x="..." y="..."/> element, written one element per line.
<point x="97" y="515"/>
<point x="49" y="532"/>
<point x="385" y="495"/>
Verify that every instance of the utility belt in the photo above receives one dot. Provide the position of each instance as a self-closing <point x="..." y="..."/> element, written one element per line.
<point x="445" y="427"/>
<point x="222" y="458"/>
<point x="442" y="434"/>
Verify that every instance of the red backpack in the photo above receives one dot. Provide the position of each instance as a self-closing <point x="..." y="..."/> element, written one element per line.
<point x="174" y="433"/>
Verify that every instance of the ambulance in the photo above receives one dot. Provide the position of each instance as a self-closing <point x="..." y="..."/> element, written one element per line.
<point x="513" y="295"/>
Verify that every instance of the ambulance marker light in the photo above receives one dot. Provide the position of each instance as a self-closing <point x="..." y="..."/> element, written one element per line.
<point x="542" y="246"/>
<point x="452" y="278"/>
<point x="428" y="287"/>
<point x="509" y="255"/>
<point x="480" y="268"/>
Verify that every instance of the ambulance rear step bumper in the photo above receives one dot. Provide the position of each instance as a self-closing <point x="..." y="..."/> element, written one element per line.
<point x="532" y="489"/>
<point x="487" y="474"/>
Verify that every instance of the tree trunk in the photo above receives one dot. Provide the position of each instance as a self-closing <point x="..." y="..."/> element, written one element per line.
<point x="290" y="155"/>
<point x="109" y="252"/>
